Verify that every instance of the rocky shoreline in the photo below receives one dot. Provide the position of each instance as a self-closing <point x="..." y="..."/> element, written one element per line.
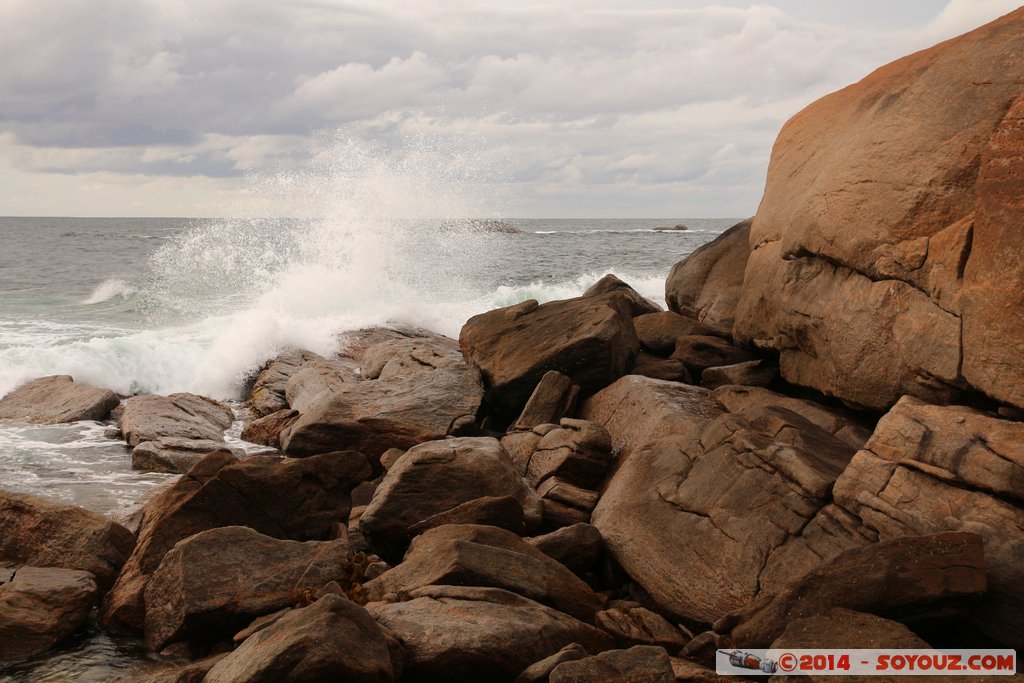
<point x="820" y="444"/>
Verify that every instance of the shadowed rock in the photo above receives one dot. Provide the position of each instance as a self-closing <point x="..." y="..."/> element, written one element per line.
<point x="40" y="607"/>
<point x="706" y="284"/>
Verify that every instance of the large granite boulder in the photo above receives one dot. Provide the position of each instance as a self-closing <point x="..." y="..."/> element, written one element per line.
<point x="925" y="470"/>
<point x="35" y="531"/>
<point x="435" y="477"/>
<point x="175" y="455"/>
<point x="639" y="664"/>
<point x="461" y="633"/>
<point x="553" y="398"/>
<point x="703" y="493"/>
<point x="269" y="388"/>
<point x="332" y="639"/>
<point x="56" y="399"/>
<point x="912" y="579"/>
<point x="298" y="499"/>
<point x="410" y="401"/>
<point x="885" y="264"/>
<point x="476" y="555"/>
<point x="638" y="303"/>
<point x="212" y="584"/>
<point x="706" y="284"/>
<point x="589" y="339"/>
<point x="40" y="607"/>
<point x="182" y="416"/>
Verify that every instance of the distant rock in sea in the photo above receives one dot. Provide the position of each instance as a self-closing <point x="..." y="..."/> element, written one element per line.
<point x="676" y="228"/>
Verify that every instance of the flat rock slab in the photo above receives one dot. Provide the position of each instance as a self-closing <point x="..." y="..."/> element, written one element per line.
<point x="35" y="531"/>
<point x="182" y="416"/>
<point x="332" y="639"/>
<point x="56" y="399"/>
<point x="476" y="555"/>
<point x="640" y="664"/>
<point x="175" y="455"/>
<point x="457" y="633"/>
<point x="213" y="583"/>
<point x="40" y="607"/>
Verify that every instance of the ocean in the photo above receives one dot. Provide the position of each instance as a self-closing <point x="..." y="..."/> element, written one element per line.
<point x="178" y="304"/>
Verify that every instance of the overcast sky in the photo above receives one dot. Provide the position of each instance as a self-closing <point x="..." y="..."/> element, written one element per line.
<point x="565" y="108"/>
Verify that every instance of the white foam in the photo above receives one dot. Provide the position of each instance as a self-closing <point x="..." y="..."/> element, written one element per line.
<point x="110" y="289"/>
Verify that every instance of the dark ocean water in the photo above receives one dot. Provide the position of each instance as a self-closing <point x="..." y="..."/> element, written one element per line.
<point x="163" y="305"/>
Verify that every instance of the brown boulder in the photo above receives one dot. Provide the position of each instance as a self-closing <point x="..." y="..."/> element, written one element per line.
<point x="640" y="664"/>
<point x="539" y="671"/>
<point x="700" y="353"/>
<point x="658" y="332"/>
<point x="638" y="304"/>
<point x="735" y="485"/>
<point x="925" y="471"/>
<point x="882" y="264"/>
<point x="332" y="639"/>
<point x="631" y="625"/>
<point x="553" y="398"/>
<point x="35" y="531"/>
<point x="174" y="455"/>
<point x="213" y="583"/>
<point x="56" y="399"/>
<point x="706" y="284"/>
<point x="291" y="499"/>
<point x="266" y="430"/>
<point x="435" y="477"/>
<point x="752" y="373"/>
<point x="184" y="416"/>
<point x="578" y="452"/>
<point x="913" y="578"/>
<point x="317" y="377"/>
<point x="475" y="555"/>
<point x="589" y="339"/>
<point x="656" y="367"/>
<point x="407" y="356"/>
<point x="500" y="511"/>
<point x="40" y="607"/>
<point x="397" y="411"/>
<point x="268" y="389"/>
<point x="468" y="633"/>
<point x="579" y="547"/>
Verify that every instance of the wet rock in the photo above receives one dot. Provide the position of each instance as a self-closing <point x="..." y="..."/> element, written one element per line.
<point x="638" y="304"/>
<point x="554" y="398"/>
<point x="175" y="455"/>
<point x="469" y="633"/>
<point x="658" y="332"/>
<point x="435" y="477"/>
<point x="268" y="390"/>
<point x="752" y="373"/>
<point x="267" y="430"/>
<point x="182" y="416"/>
<point x="700" y="353"/>
<point x="734" y="485"/>
<point x="539" y="672"/>
<point x="879" y="264"/>
<point x="35" y="531"/>
<point x="354" y="344"/>
<point x="640" y="664"/>
<point x="640" y="626"/>
<point x="579" y="547"/>
<point x="501" y="511"/>
<point x="399" y="411"/>
<point x="475" y="555"/>
<point x="213" y="583"/>
<point x="332" y="639"/>
<point x="40" y="607"/>
<point x="190" y="672"/>
<point x="290" y="499"/>
<point x="589" y="339"/>
<point x="706" y="285"/>
<point x="56" y="399"/>
<point x="409" y="356"/>
<point x="913" y="578"/>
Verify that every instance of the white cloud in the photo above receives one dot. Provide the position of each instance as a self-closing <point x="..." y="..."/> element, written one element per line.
<point x="575" y="107"/>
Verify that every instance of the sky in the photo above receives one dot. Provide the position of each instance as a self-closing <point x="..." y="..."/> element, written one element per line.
<point x="564" y="108"/>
